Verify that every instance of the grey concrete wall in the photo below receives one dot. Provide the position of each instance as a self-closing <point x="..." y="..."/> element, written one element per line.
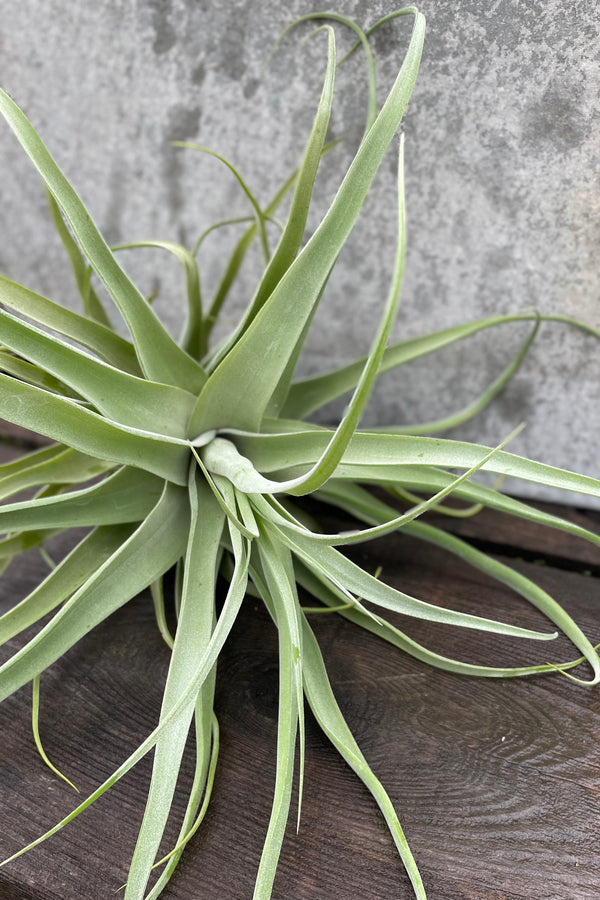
<point x="502" y="177"/>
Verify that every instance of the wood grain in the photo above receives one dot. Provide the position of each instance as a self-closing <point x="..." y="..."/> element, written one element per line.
<point x="497" y="783"/>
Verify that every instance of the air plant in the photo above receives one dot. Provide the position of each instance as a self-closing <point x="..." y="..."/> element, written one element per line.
<point x="180" y="454"/>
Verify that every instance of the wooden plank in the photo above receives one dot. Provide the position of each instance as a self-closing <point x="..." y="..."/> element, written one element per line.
<point x="497" y="783"/>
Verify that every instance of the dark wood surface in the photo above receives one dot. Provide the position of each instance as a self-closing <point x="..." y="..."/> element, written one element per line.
<point x="497" y="783"/>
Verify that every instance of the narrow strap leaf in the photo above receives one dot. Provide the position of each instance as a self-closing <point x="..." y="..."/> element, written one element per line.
<point x="97" y="338"/>
<point x="201" y="791"/>
<point x="237" y="257"/>
<point x="125" y="496"/>
<point x="23" y="541"/>
<point x="194" y="630"/>
<point x="216" y="226"/>
<point x="35" y="709"/>
<point x="121" y="397"/>
<point x="326" y="594"/>
<point x="158" y="601"/>
<point x="66" y="467"/>
<point x="310" y="394"/>
<point x="223" y="493"/>
<point x="359" y="536"/>
<point x="293" y="233"/>
<point x="476" y="406"/>
<point x="431" y="479"/>
<point x="63" y="420"/>
<point x="160" y="357"/>
<point x="28" y="460"/>
<point x="522" y="585"/>
<point x="330" y="718"/>
<point x="31" y="374"/>
<point x="336" y="447"/>
<point x="192" y="339"/>
<point x="368" y="508"/>
<point x="150" y="551"/>
<point x="223" y="458"/>
<point x="343" y="571"/>
<point x="20" y="541"/>
<point x="372" y="455"/>
<point x="260" y="216"/>
<point x="205" y="666"/>
<point x="276" y="588"/>
<point x="91" y="304"/>
<point x="362" y="41"/>
<point x="283" y="316"/>
<point x="64" y="579"/>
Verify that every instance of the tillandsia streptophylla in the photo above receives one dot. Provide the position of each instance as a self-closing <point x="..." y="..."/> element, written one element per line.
<point x="189" y="455"/>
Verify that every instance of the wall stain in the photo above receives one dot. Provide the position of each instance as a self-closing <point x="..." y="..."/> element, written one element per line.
<point x="198" y="74"/>
<point x="183" y="123"/>
<point x="556" y="119"/>
<point x="233" y="46"/>
<point x="250" y="87"/>
<point x="165" y="34"/>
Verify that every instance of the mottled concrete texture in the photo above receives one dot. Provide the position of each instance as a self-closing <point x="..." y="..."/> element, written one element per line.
<point x="502" y="147"/>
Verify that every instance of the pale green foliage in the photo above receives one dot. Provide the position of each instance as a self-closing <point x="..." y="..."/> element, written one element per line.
<point x="179" y="454"/>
